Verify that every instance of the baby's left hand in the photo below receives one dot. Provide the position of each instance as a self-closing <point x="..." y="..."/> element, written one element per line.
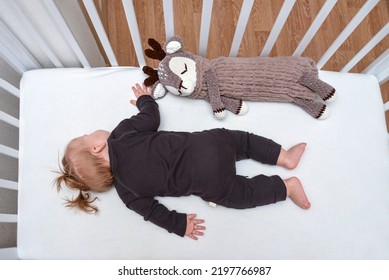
<point x="193" y="229"/>
<point x="139" y="91"/>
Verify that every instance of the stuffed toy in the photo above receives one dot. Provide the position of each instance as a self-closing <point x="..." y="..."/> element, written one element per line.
<point x="226" y="82"/>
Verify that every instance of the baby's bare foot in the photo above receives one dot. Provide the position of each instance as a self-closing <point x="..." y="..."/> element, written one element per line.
<point x="296" y="193"/>
<point x="291" y="158"/>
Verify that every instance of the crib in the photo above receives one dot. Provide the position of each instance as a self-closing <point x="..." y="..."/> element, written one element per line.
<point x="63" y="59"/>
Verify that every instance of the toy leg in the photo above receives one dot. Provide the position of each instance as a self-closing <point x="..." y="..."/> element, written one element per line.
<point x="236" y="106"/>
<point x="324" y="90"/>
<point x="315" y="108"/>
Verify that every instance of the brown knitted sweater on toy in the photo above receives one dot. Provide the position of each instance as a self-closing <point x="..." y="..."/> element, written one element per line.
<point x="226" y="82"/>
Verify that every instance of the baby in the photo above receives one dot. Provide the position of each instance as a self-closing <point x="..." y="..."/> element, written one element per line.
<point x="142" y="163"/>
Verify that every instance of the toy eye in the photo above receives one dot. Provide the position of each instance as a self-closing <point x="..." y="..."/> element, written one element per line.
<point x="186" y="69"/>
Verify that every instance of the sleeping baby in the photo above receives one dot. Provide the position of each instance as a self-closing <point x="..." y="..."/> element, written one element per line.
<point x="142" y="163"/>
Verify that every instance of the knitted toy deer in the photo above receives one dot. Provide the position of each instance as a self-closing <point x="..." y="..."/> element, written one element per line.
<point x="226" y="82"/>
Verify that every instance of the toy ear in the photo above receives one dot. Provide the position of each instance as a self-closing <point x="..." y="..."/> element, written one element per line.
<point x="158" y="91"/>
<point x="173" y="45"/>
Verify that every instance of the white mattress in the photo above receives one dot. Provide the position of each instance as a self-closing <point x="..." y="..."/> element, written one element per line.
<point x="345" y="171"/>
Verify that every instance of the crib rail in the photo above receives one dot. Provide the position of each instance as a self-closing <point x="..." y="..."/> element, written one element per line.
<point x="21" y="58"/>
<point x="49" y="33"/>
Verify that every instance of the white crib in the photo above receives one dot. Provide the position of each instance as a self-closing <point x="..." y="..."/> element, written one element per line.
<point x="55" y="34"/>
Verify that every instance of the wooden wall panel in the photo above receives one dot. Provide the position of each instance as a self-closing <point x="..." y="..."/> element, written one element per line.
<point x="262" y="18"/>
<point x="298" y="22"/>
<point x="119" y="34"/>
<point x="151" y="24"/>
<point x="225" y="16"/>
<point x="369" y="27"/>
<point x="334" y="24"/>
<point x="187" y="22"/>
<point x="377" y="18"/>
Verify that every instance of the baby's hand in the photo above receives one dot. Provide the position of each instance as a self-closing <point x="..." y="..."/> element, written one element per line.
<point x="192" y="226"/>
<point x="139" y="91"/>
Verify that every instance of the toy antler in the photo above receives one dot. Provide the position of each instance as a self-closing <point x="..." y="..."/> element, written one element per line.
<point x="157" y="52"/>
<point x="153" y="75"/>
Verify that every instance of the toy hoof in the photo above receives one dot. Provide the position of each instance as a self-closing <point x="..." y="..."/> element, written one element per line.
<point x="332" y="98"/>
<point x="220" y="115"/>
<point x="325" y="114"/>
<point x="244" y="108"/>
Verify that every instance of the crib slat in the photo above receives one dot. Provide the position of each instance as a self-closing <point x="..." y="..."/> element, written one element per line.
<point x="17" y="48"/>
<point x="34" y="33"/>
<point x="99" y="28"/>
<point x="321" y="16"/>
<point x="206" y="16"/>
<point x="9" y="253"/>
<point x="11" y="59"/>
<point x="66" y="32"/>
<point x="368" y="47"/>
<point x="357" y="19"/>
<point x="9" y="88"/>
<point x="9" y="151"/>
<point x="383" y="76"/>
<point x="8" y="218"/>
<point x="129" y="10"/>
<point x="241" y="26"/>
<point x="9" y="119"/>
<point x="280" y="21"/>
<point x="7" y="184"/>
<point x="168" y="13"/>
<point x="386" y="106"/>
<point x="378" y="65"/>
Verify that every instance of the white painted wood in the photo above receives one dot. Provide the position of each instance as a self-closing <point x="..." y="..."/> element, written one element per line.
<point x="34" y="33"/>
<point x="241" y="26"/>
<point x="383" y="76"/>
<point x="9" y="88"/>
<point x="66" y="32"/>
<point x="8" y="218"/>
<point x="367" y="48"/>
<point x="9" y="119"/>
<point x="168" y="13"/>
<point x="17" y="48"/>
<point x="9" y="253"/>
<point x="129" y="10"/>
<point x="206" y="16"/>
<point x="386" y="106"/>
<point x="11" y="59"/>
<point x="280" y="21"/>
<point x="378" y="65"/>
<point x="100" y="31"/>
<point x="321" y="16"/>
<point x="9" y="151"/>
<point x="362" y="13"/>
<point x="7" y="184"/>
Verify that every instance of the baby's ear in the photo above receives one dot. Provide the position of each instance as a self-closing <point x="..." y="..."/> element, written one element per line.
<point x="174" y="45"/>
<point x="158" y="91"/>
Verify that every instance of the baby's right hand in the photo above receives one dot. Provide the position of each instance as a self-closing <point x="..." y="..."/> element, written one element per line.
<point x="139" y="91"/>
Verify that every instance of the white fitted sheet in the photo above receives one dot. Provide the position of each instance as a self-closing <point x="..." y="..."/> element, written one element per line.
<point x="345" y="171"/>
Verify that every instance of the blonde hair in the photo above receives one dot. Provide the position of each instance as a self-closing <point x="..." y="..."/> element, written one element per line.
<point x="84" y="171"/>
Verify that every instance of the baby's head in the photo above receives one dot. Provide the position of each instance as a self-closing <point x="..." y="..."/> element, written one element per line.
<point x="85" y="168"/>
